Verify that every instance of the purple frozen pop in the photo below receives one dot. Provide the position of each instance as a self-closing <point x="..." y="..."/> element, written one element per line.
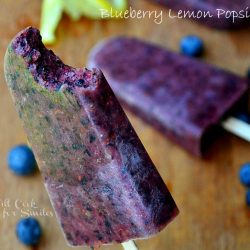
<point x="101" y="182"/>
<point x="186" y="99"/>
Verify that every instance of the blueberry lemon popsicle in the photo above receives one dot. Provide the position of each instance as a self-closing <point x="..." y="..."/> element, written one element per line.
<point x="184" y="98"/>
<point x="221" y="14"/>
<point x="101" y="182"/>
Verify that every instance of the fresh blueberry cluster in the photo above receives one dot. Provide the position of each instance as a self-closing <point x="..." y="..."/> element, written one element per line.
<point x="21" y="161"/>
<point x="244" y="176"/>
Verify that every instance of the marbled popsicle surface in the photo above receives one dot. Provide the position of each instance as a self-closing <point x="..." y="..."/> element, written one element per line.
<point x="102" y="184"/>
<point x="184" y="98"/>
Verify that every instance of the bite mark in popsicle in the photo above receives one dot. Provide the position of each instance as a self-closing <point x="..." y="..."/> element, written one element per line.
<point x="101" y="182"/>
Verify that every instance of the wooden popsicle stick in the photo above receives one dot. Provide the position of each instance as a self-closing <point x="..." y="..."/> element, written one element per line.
<point x="237" y="127"/>
<point x="130" y="245"/>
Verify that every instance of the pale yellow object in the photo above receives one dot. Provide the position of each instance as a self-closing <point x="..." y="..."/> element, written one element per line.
<point x="51" y="15"/>
<point x="52" y="12"/>
<point x="92" y="9"/>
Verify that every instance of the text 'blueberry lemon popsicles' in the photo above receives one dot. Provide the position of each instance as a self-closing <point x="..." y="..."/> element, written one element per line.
<point x="186" y="99"/>
<point x="220" y="14"/>
<point x="101" y="182"/>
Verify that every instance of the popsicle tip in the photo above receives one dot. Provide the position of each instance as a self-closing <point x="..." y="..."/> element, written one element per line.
<point x="47" y="69"/>
<point x="23" y="42"/>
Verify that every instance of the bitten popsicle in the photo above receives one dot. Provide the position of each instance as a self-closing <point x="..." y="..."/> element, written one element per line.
<point x="220" y="14"/>
<point x="184" y="98"/>
<point x="101" y="182"/>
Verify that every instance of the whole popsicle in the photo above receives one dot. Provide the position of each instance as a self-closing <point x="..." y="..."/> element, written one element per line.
<point x="184" y="98"/>
<point x="220" y="14"/>
<point x="101" y="182"/>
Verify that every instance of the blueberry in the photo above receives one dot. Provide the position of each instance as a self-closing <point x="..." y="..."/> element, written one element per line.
<point x="245" y="117"/>
<point x="191" y="46"/>
<point x="21" y="160"/>
<point x="28" y="231"/>
<point x="248" y="198"/>
<point x="80" y="83"/>
<point x="244" y="174"/>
